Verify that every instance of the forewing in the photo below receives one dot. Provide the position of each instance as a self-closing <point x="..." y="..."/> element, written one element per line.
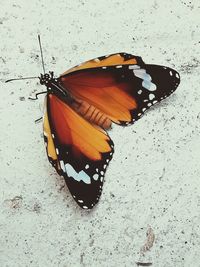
<point x="122" y="92"/>
<point x="79" y="151"/>
<point x="108" y="60"/>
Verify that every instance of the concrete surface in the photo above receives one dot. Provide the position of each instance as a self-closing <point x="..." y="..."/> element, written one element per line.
<point x="153" y="179"/>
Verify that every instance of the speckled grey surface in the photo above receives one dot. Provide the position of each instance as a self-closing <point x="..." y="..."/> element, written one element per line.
<point x="153" y="178"/>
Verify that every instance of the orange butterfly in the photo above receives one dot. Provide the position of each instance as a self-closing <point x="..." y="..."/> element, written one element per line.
<point x="82" y="104"/>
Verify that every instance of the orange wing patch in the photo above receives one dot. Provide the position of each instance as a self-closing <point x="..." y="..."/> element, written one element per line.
<point x="73" y="130"/>
<point x="50" y="148"/>
<point x="101" y="90"/>
<point x="110" y="60"/>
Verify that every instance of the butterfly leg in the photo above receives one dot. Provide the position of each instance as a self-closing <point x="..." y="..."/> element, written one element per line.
<point x="36" y="95"/>
<point x="38" y="120"/>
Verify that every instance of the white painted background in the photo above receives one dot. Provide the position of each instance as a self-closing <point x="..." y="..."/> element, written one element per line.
<point x="153" y="178"/>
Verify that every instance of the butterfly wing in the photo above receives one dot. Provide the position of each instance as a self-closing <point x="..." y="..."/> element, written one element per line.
<point x="77" y="150"/>
<point x="124" y="89"/>
<point x="108" y="60"/>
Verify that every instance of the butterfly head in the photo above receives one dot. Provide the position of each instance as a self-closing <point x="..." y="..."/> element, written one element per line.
<point x="46" y="78"/>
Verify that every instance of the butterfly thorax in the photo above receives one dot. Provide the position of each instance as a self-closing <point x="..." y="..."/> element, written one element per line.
<point x="54" y="86"/>
<point x="82" y="107"/>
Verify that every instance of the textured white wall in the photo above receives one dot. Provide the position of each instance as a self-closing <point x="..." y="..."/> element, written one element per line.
<point x="153" y="178"/>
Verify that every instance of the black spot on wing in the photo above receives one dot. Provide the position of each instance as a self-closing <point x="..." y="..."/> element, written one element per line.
<point x="125" y="56"/>
<point x="130" y="56"/>
<point x="85" y="193"/>
<point x="150" y="84"/>
<point x="166" y="81"/>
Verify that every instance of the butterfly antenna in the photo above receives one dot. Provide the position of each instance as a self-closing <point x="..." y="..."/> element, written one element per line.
<point x="24" y="78"/>
<point x="41" y="53"/>
<point x="27" y="78"/>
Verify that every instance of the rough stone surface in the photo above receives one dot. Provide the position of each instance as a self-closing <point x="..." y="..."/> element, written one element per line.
<point x="153" y="179"/>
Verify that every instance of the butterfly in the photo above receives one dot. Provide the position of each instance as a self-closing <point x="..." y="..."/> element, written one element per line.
<point x="81" y="105"/>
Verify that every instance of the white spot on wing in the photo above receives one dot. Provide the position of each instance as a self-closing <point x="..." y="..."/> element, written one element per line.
<point x="87" y="166"/>
<point x="139" y="92"/>
<point x="95" y="176"/>
<point x="142" y="74"/>
<point x="151" y="96"/>
<point x="62" y="165"/>
<point x="78" y="176"/>
<point x="149" y="85"/>
<point x="133" y="67"/>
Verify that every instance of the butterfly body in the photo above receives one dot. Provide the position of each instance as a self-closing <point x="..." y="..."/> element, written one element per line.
<point x="54" y="86"/>
<point x="86" y="110"/>
<point x="83" y="102"/>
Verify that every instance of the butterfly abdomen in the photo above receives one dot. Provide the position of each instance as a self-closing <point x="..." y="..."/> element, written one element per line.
<point x="91" y="113"/>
